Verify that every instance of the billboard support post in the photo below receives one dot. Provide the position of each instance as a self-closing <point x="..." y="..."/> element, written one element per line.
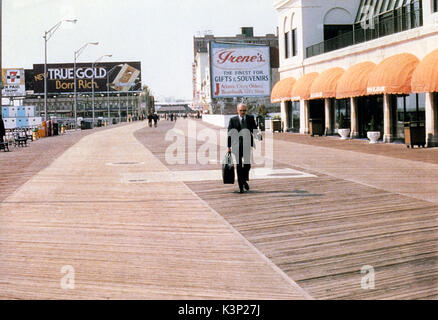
<point x="92" y="81"/>
<point x="107" y="88"/>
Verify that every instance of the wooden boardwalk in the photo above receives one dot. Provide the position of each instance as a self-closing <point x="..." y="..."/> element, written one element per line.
<point x="124" y="240"/>
<point x="321" y="231"/>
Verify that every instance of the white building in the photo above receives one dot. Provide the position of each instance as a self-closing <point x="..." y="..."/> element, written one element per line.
<point x="365" y="59"/>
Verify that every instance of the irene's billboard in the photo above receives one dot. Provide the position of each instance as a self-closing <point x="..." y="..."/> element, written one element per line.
<point x="239" y="70"/>
<point x="121" y="76"/>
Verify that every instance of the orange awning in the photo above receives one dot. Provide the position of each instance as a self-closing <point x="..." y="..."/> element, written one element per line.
<point x="282" y="90"/>
<point x="354" y="82"/>
<point x="425" y="76"/>
<point x="324" y="86"/>
<point x="393" y="75"/>
<point x="301" y="89"/>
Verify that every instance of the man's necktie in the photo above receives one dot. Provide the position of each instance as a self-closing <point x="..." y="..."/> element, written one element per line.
<point x="242" y="123"/>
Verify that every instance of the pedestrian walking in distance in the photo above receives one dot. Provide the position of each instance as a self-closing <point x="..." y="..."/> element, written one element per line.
<point x="241" y="130"/>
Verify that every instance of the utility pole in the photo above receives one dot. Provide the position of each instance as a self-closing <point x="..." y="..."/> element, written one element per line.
<point x="1" y="45"/>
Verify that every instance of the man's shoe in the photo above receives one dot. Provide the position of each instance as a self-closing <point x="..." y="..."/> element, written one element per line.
<point x="246" y="186"/>
<point x="241" y="190"/>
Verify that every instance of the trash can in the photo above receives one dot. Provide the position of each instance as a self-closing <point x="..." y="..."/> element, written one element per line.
<point x="34" y="134"/>
<point x="42" y="130"/>
<point x="50" y="128"/>
<point x="55" y="129"/>
<point x="62" y="128"/>
<point x="415" y="134"/>
<point x="315" y="127"/>
<point x="99" y="123"/>
<point x="114" y="121"/>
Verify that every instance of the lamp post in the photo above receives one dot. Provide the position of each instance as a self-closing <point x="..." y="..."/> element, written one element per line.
<point x="118" y="95"/>
<point x="77" y="53"/>
<point x="92" y="80"/>
<point x="47" y="35"/>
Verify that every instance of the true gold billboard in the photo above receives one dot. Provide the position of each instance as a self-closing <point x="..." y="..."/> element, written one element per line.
<point x="121" y="76"/>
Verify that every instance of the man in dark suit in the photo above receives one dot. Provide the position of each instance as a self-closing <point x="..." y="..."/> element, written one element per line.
<point x="240" y="141"/>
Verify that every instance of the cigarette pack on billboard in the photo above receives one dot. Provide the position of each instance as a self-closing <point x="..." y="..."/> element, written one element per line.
<point x="126" y="77"/>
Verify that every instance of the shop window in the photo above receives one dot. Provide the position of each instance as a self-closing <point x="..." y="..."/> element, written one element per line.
<point x="409" y="108"/>
<point x="295" y="116"/>
<point x="342" y="106"/>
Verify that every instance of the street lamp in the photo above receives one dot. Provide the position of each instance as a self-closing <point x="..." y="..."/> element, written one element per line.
<point x="92" y="80"/>
<point x="47" y="35"/>
<point x="118" y="95"/>
<point x="77" y="53"/>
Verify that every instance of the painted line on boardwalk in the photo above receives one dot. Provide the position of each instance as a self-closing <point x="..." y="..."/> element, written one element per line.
<point x="210" y="175"/>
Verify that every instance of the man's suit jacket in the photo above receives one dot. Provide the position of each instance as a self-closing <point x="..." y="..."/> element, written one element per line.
<point x="235" y="124"/>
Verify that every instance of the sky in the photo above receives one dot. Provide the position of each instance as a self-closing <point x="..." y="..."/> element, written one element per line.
<point x="158" y="33"/>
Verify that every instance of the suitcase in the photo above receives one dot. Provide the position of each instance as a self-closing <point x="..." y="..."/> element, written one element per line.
<point x="228" y="169"/>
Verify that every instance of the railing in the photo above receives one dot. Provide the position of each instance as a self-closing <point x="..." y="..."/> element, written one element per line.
<point x="383" y="25"/>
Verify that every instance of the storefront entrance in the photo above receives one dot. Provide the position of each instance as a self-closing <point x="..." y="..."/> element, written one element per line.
<point x="405" y="109"/>
<point x="370" y="107"/>
<point x="293" y="116"/>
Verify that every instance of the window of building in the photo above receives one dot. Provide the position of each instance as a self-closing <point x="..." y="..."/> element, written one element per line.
<point x="435" y="6"/>
<point x="295" y="116"/>
<point x="294" y="42"/>
<point x="286" y="45"/>
<point x="409" y="108"/>
<point x="342" y="106"/>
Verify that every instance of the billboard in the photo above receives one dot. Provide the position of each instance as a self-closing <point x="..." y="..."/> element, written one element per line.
<point x="121" y="76"/>
<point x="239" y="70"/>
<point x="13" y="82"/>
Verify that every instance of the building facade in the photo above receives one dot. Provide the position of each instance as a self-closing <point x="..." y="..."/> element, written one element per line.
<point x="372" y="62"/>
<point x="202" y="91"/>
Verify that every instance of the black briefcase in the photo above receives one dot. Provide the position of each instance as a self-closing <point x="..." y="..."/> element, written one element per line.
<point x="228" y="169"/>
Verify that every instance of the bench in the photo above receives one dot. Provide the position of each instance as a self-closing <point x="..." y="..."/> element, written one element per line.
<point x="19" y="140"/>
<point x="4" y="146"/>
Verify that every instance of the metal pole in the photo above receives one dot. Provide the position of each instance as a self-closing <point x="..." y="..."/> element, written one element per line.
<point x="47" y="36"/>
<point x="45" y="76"/>
<point x="107" y="94"/>
<point x="1" y="78"/>
<point x="119" y="107"/>
<point x="74" y="95"/>
<point x="92" y="92"/>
